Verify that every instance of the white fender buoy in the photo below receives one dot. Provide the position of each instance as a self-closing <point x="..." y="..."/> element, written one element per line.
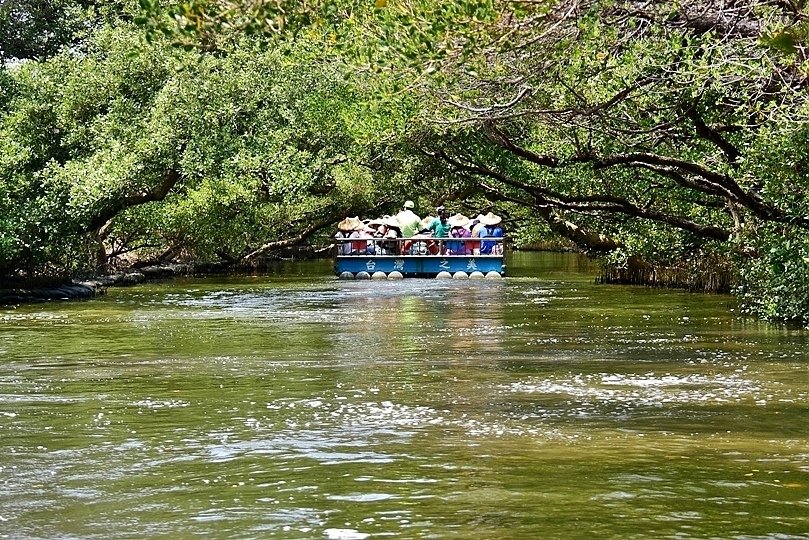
<point x="443" y="275"/>
<point x="346" y="275"/>
<point x="460" y="274"/>
<point x="362" y="275"/>
<point x="395" y="275"/>
<point x="476" y="275"/>
<point x="493" y="275"/>
<point x="379" y="274"/>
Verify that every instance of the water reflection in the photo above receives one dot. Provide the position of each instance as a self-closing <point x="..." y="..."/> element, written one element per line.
<point x="420" y="318"/>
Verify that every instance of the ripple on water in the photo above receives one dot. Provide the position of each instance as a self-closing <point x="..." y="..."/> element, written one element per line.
<point x="646" y="389"/>
<point x="345" y="534"/>
<point x="150" y="403"/>
<point x="362" y="497"/>
<point x="363" y="420"/>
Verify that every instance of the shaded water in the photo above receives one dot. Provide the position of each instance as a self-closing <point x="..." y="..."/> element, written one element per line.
<point x="539" y="406"/>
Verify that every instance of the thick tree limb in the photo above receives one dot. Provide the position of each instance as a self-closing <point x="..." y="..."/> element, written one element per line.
<point x="706" y="132"/>
<point x="291" y="241"/>
<point x="585" y="239"/>
<point x="326" y="220"/>
<point x="495" y="135"/>
<point x="99" y="222"/>
<point x="729" y="20"/>
<point x="712" y="180"/>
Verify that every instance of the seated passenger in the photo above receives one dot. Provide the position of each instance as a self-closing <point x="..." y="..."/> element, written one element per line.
<point x="372" y="230"/>
<point x="440" y="229"/>
<point x="491" y="229"/>
<point x="345" y="229"/>
<point x="422" y="245"/>
<point x="458" y="224"/>
<point x="392" y="231"/>
<point x="358" y="247"/>
<point x="419" y="247"/>
<point x="475" y="226"/>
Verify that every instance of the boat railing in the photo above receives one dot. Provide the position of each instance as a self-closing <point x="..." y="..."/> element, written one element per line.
<point x="419" y="246"/>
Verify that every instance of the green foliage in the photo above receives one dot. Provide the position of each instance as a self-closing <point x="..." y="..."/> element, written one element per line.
<point x="34" y="29"/>
<point x="775" y="280"/>
<point x="262" y="145"/>
<point x="37" y="29"/>
<point x="386" y="35"/>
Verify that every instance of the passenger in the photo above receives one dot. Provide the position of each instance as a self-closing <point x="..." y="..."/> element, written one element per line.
<point x="421" y="243"/>
<point x="410" y="224"/>
<point x="393" y="230"/>
<point x="384" y="226"/>
<point x="458" y="224"/>
<point x="408" y="220"/>
<point x="424" y="226"/>
<point x="491" y="229"/>
<point x="372" y="225"/>
<point x="358" y="247"/>
<point x="344" y="230"/>
<point x="440" y="229"/>
<point x="475" y="226"/>
<point x="372" y="230"/>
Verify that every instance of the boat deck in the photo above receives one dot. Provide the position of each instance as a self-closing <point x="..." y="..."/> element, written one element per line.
<point x="392" y="259"/>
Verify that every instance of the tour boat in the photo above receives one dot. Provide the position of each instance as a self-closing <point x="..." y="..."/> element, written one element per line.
<point x="425" y="257"/>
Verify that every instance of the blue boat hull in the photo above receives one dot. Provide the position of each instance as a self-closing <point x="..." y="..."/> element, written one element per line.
<point x="419" y="265"/>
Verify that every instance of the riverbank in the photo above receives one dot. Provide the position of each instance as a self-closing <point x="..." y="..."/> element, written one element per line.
<point x="78" y="289"/>
<point x="706" y="275"/>
<point x="85" y="288"/>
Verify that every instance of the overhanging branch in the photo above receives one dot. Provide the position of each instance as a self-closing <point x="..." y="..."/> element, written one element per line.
<point x="599" y="203"/>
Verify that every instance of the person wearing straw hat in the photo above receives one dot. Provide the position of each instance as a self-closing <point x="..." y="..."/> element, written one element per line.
<point x="475" y="226"/>
<point x="358" y="247"/>
<point x="391" y="229"/>
<point x="345" y="229"/>
<point x="424" y="225"/>
<point x="458" y="224"/>
<point x="370" y="230"/>
<point x="491" y="229"/>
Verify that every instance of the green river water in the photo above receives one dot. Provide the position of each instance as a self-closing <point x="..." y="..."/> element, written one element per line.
<point x="300" y="406"/>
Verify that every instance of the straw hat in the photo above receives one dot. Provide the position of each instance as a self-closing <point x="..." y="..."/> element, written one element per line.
<point x="376" y="222"/>
<point x="391" y="221"/>
<point x="409" y="204"/>
<point x="350" y="224"/>
<point x="458" y="220"/>
<point x="426" y="222"/>
<point x="490" y="219"/>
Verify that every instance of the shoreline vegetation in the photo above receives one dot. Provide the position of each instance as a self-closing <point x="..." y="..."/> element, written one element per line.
<point x="692" y="278"/>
